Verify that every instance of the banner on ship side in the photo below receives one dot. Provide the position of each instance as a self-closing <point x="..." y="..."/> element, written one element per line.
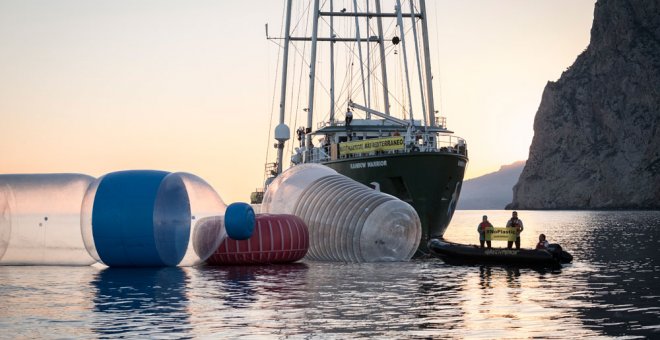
<point x="501" y="234"/>
<point x="372" y="145"/>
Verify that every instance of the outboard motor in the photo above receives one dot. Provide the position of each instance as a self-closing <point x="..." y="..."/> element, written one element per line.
<point x="559" y="254"/>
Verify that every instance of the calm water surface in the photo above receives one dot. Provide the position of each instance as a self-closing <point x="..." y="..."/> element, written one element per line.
<point x="611" y="289"/>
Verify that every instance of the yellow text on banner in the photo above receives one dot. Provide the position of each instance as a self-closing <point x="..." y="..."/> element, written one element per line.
<point x="371" y="145"/>
<point x="501" y="234"/>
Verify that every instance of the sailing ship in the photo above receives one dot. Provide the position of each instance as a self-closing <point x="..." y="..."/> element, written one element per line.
<point x="395" y="144"/>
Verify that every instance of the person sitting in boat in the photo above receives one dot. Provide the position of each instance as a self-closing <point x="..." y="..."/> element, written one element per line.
<point x="515" y="222"/>
<point x="482" y="228"/>
<point x="349" y="117"/>
<point x="543" y="243"/>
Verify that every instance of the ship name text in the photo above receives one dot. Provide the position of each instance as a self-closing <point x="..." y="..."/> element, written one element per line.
<point x="372" y="164"/>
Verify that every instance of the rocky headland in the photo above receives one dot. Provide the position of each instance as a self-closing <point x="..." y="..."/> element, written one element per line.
<point x="596" y="138"/>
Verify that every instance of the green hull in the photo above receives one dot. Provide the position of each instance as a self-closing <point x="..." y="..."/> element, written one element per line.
<point x="429" y="181"/>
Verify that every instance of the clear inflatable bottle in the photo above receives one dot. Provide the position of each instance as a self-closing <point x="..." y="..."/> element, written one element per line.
<point x="347" y="221"/>
<point x="40" y="219"/>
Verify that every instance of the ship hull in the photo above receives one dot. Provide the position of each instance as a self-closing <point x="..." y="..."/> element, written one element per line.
<point x="429" y="181"/>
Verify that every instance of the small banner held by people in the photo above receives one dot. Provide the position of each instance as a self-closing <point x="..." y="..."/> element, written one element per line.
<point x="501" y="234"/>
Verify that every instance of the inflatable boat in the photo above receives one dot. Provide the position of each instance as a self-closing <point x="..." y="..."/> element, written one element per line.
<point x="457" y="253"/>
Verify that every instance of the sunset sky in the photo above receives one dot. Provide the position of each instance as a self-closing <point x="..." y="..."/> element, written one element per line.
<point x="90" y="86"/>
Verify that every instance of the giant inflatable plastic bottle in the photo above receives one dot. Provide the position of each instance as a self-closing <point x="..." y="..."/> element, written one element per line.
<point x="347" y="221"/>
<point x="137" y="218"/>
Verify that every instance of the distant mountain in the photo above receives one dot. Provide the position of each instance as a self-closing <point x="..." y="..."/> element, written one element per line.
<point x="596" y="138"/>
<point x="491" y="191"/>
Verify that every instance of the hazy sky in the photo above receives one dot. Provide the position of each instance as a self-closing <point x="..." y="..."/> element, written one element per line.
<point x="90" y="86"/>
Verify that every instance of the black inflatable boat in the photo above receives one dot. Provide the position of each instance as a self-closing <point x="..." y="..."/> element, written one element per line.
<point x="461" y="253"/>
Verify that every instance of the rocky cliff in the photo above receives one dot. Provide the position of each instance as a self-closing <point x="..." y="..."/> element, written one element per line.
<point x="596" y="138"/>
<point x="491" y="191"/>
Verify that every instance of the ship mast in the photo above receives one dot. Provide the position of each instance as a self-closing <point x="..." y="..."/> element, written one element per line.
<point x="282" y="132"/>
<point x="405" y="58"/>
<point x="332" y="66"/>
<point x="419" y="66"/>
<point x="359" y="45"/>
<point x="383" y="66"/>
<point x="312" y="77"/>
<point x="427" y="63"/>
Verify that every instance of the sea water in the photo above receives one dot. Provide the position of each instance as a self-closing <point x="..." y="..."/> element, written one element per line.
<point x="611" y="289"/>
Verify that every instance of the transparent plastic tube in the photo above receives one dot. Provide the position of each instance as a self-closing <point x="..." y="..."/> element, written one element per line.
<point x="347" y="221"/>
<point x="40" y="219"/>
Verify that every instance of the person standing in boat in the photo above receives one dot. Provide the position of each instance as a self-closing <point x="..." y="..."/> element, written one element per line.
<point x="515" y="222"/>
<point x="483" y="228"/>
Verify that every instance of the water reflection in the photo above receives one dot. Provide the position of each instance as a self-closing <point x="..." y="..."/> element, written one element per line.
<point x="44" y="302"/>
<point x="485" y="274"/>
<point x="438" y="301"/>
<point x="239" y="286"/>
<point x="611" y="289"/>
<point x="141" y="302"/>
<point x="238" y="301"/>
<point x="623" y="295"/>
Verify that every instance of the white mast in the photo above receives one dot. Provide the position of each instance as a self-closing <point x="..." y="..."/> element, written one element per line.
<point x="405" y="58"/>
<point x="332" y="66"/>
<point x="312" y="75"/>
<point x="368" y="60"/>
<point x="427" y="63"/>
<point x="359" y="44"/>
<point x="419" y="65"/>
<point x="282" y="133"/>
<point x="383" y="66"/>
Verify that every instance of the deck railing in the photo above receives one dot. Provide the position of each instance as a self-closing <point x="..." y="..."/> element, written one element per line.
<point x="442" y="144"/>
